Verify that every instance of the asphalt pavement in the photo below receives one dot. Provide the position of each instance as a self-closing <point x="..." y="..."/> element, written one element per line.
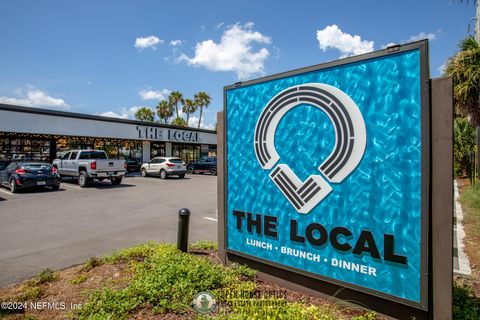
<point x="58" y="229"/>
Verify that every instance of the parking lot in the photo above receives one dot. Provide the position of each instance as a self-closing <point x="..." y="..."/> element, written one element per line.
<point x="58" y="229"/>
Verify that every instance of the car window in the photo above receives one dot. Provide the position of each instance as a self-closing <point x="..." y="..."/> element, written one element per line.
<point x="74" y="155"/>
<point x="161" y="160"/>
<point x="176" y="160"/>
<point x="66" y="156"/>
<point x="154" y="161"/>
<point x="209" y="160"/>
<point x="85" y="155"/>
<point x="12" y="166"/>
<point x="36" y="166"/>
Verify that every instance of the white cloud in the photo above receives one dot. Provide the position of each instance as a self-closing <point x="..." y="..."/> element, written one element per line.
<point x="388" y="45"/>
<point x="154" y="94"/>
<point x="193" y="122"/>
<point x="176" y="43"/>
<point x="219" y="25"/>
<point x="235" y="52"/>
<point x="423" y="35"/>
<point x="35" y="98"/>
<point x="147" y="42"/>
<point x="348" y="45"/>
<point x="125" y="113"/>
<point x="441" y="69"/>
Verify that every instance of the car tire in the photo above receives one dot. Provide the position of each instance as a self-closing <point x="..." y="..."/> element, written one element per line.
<point x="55" y="187"/>
<point x="116" y="181"/>
<point x="190" y="169"/>
<point x="163" y="174"/>
<point x="213" y="171"/>
<point x="144" y="173"/>
<point x="13" y="186"/>
<point x="83" y="179"/>
<point x="181" y="176"/>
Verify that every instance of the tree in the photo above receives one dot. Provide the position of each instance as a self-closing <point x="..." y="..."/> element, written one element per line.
<point x="164" y="110"/>
<point x="145" y="114"/>
<point x="189" y="107"/>
<point x="202" y="100"/>
<point x="464" y="67"/>
<point x="179" y="121"/>
<point x="175" y="98"/>
<point x="463" y="146"/>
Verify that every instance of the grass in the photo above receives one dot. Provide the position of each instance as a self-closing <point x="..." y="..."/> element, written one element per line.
<point x="466" y="291"/>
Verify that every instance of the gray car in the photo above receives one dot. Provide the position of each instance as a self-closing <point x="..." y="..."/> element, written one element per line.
<point x="164" y="167"/>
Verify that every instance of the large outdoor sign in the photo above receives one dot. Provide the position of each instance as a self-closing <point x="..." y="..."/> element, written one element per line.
<point x="327" y="172"/>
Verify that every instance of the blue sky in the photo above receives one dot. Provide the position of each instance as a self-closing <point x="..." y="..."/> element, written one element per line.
<point x="111" y="57"/>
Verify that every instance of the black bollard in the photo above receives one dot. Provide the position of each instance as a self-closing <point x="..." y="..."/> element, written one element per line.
<point x="183" y="223"/>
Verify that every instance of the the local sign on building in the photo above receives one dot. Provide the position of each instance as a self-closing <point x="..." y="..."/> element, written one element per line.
<point x="326" y="172"/>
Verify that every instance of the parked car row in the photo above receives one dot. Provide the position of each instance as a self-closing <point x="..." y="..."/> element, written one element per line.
<point x="90" y="165"/>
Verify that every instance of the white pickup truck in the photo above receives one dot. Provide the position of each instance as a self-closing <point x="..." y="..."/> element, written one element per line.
<point x="88" y="165"/>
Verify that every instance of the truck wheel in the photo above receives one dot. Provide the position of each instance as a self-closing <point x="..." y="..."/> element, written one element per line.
<point x="144" y="173"/>
<point x="116" y="181"/>
<point x="83" y="179"/>
<point x="163" y="174"/>
<point x="213" y="171"/>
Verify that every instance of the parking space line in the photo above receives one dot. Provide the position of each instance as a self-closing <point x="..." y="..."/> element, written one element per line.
<point x="7" y="192"/>
<point x="210" y="219"/>
<point x="70" y="186"/>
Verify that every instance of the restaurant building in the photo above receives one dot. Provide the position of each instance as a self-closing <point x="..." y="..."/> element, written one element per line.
<point x="42" y="135"/>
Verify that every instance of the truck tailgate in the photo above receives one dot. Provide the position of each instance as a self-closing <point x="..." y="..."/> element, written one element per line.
<point x="110" y="165"/>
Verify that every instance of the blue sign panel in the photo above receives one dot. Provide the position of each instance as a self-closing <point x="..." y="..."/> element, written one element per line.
<point x="325" y="173"/>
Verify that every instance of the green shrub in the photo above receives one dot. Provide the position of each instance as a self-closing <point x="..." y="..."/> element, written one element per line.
<point x="80" y="279"/>
<point x="31" y="293"/>
<point x="371" y="315"/>
<point x="91" y="263"/>
<point x="204" y="245"/>
<point x="137" y="253"/>
<point x="465" y="304"/>
<point x="167" y="280"/>
<point x="46" y="276"/>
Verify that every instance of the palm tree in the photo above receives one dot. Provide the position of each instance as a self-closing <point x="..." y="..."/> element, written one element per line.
<point x="189" y="107"/>
<point x="175" y="98"/>
<point x="179" y="121"/>
<point x="145" y="114"/>
<point x="202" y="100"/>
<point x="164" y="110"/>
<point x="464" y="67"/>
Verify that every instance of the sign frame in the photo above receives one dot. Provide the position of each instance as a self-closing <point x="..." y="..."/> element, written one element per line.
<point x="425" y="203"/>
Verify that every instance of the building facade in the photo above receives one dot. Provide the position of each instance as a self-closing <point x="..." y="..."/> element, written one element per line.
<point x="42" y="135"/>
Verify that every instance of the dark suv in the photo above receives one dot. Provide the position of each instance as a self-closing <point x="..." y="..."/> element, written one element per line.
<point x="203" y="165"/>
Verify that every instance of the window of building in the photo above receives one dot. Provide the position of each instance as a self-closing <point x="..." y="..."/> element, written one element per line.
<point x="186" y="152"/>
<point x="25" y="149"/>
<point x="157" y="149"/>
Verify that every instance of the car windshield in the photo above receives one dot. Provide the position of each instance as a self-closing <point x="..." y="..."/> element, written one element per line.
<point x="35" y="166"/>
<point x="93" y="155"/>
<point x="176" y="160"/>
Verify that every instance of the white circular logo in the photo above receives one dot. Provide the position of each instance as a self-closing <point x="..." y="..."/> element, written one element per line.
<point x="350" y="141"/>
<point x="204" y="302"/>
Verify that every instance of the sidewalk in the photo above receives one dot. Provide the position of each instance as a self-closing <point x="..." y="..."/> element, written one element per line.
<point x="461" y="264"/>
